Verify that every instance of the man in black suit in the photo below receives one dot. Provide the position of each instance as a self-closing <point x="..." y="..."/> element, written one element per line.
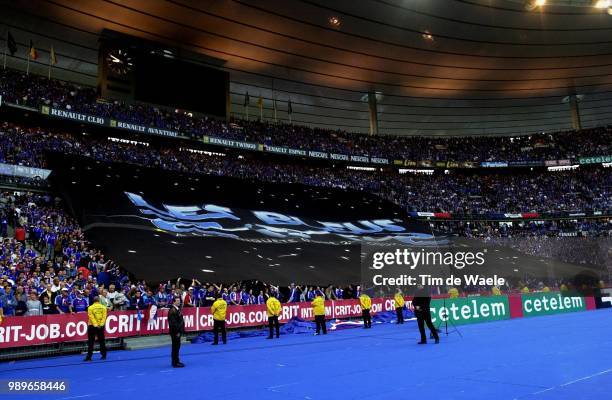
<point x="177" y="328"/>
<point x="421" y="302"/>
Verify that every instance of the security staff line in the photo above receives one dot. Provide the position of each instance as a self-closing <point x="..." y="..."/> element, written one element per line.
<point x="327" y="339"/>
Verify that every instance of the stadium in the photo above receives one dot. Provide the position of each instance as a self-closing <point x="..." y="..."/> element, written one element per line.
<point x="408" y="198"/>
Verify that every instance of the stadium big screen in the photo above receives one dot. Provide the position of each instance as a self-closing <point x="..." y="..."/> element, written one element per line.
<point x="180" y="84"/>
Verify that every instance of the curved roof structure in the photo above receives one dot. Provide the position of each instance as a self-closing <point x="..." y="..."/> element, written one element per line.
<point x="441" y="67"/>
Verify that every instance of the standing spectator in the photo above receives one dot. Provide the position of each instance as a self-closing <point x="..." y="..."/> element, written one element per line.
<point x="235" y="297"/>
<point x="210" y="296"/>
<point x="103" y="277"/>
<point x="20" y="301"/>
<point x="48" y="307"/>
<point x="149" y="299"/>
<point x="119" y="301"/>
<point x="80" y="303"/>
<point x="34" y="305"/>
<point x="63" y="302"/>
<point x="8" y="301"/>
<point x="261" y="298"/>
<point x="20" y="235"/>
<point x="247" y="297"/>
<point x="50" y="239"/>
<point x="225" y="295"/>
<point x="49" y="293"/>
<point x="103" y="297"/>
<point x="133" y="298"/>
<point x="161" y="298"/>
<point x="189" y="298"/>
<point x="84" y="271"/>
<point x="294" y="293"/>
<point x="310" y="294"/>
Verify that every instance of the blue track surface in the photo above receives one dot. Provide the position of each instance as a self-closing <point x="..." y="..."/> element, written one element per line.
<point x="554" y="357"/>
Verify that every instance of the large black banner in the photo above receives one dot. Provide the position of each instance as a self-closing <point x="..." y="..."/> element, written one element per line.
<point x="160" y="224"/>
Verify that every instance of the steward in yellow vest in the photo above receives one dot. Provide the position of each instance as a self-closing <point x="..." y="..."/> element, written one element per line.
<point x="219" y="310"/>
<point x="95" y="328"/>
<point x="366" y="304"/>
<point x="273" y="309"/>
<point x="318" y="309"/>
<point x="399" y="307"/>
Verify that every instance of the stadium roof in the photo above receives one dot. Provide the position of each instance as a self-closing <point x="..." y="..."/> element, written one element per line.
<point x="440" y="66"/>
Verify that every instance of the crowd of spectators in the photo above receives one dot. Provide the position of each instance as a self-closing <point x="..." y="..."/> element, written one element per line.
<point x="575" y="227"/>
<point x="585" y="189"/>
<point x="35" y="91"/>
<point x="597" y="251"/>
<point x="48" y="267"/>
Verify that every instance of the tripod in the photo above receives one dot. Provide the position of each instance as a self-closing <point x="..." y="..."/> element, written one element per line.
<point x="445" y="320"/>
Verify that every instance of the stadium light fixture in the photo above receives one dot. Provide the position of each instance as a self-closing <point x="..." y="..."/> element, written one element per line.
<point x="208" y="270"/>
<point x="335" y="21"/>
<point x="360" y="168"/>
<point x="531" y="5"/>
<point x="602" y="4"/>
<point x="415" y="171"/>
<point x="428" y="36"/>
